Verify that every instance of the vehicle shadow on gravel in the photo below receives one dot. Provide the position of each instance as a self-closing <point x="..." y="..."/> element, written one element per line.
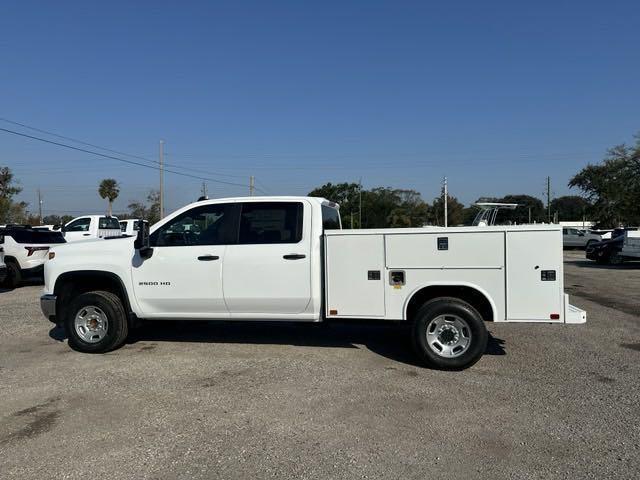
<point x="390" y="341"/>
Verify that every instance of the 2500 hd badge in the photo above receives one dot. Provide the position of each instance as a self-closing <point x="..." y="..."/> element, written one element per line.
<point x="149" y="284"/>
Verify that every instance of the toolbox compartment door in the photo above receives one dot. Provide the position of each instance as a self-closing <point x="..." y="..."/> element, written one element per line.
<point x="535" y="276"/>
<point x="354" y="276"/>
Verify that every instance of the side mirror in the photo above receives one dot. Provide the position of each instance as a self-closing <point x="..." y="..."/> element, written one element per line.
<point x="141" y="243"/>
<point x="63" y="228"/>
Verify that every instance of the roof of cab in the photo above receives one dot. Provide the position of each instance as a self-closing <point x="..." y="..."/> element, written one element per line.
<point x="320" y="200"/>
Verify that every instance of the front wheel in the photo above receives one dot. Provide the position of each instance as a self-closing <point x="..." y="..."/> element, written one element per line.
<point x="449" y="334"/>
<point x="96" y="322"/>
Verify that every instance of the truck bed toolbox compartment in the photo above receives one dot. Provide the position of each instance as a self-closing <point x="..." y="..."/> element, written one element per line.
<point x="355" y="275"/>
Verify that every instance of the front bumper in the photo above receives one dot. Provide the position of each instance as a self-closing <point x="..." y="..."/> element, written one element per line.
<point x="48" y="306"/>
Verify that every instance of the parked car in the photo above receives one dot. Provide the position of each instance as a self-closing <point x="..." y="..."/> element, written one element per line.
<point x="130" y="226"/>
<point x="574" y="238"/>
<point x="91" y="226"/>
<point x="624" y="246"/>
<point x="286" y="258"/>
<point x="601" y="252"/>
<point x="25" y="251"/>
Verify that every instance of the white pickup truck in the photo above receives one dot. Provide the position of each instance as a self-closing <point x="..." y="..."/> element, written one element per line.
<point x="91" y="226"/>
<point x="286" y="258"/>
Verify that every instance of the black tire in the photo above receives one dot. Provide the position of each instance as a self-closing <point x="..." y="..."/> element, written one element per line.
<point x="454" y="307"/>
<point x="616" y="259"/>
<point x="14" y="274"/>
<point x="118" y="327"/>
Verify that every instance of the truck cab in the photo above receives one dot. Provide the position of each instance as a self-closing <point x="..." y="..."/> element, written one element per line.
<point x="91" y="226"/>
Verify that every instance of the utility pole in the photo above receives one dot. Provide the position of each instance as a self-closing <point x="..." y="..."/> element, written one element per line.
<point x="40" y="206"/>
<point x="204" y="190"/>
<point x="529" y="215"/>
<point x="161" y="161"/>
<point x="445" y="192"/>
<point x="360" y="207"/>
<point x="549" y="199"/>
<point x="252" y="185"/>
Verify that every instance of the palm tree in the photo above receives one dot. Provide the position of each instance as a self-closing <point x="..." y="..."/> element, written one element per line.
<point x="109" y="189"/>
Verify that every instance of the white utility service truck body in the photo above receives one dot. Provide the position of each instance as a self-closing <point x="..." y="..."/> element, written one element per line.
<point x="286" y="258"/>
<point x="518" y="269"/>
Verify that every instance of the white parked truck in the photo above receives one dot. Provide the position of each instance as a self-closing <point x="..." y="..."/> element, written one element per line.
<point x="130" y="226"/>
<point x="286" y="258"/>
<point x="91" y="226"/>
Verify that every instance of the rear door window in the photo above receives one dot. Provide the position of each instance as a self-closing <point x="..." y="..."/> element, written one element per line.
<point x="270" y="222"/>
<point x="108" y="223"/>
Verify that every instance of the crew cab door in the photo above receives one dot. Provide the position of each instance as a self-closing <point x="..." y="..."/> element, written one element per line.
<point x="183" y="277"/>
<point x="78" y="229"/>
<point x="268" y="271"/>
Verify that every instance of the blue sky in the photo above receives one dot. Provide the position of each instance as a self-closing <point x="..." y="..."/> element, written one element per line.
<point x="495" y="95"/>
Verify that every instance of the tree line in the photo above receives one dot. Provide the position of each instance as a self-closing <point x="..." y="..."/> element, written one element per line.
<point x="16" y="212"/>
<point x="610" y="197"/>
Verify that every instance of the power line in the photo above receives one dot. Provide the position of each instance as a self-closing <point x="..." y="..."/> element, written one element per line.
<point x="131" y="162"/>
<point x="76" y="140"/>
<point x="117" y="152"/>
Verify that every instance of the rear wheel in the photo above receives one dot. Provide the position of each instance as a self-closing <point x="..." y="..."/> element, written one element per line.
<point x="14" y="275"/>
<point x="449" y="334"/>
<point x="96" y="322"/>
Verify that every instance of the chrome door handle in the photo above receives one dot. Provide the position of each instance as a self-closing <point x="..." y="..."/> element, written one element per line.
<point x="208" y="258"/>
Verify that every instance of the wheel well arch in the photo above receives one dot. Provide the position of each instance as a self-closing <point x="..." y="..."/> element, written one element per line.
<point x="75" y="282"/>
<point x="471" y="294"/>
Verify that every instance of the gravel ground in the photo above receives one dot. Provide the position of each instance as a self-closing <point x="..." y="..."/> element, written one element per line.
<point x="216" y="400"/>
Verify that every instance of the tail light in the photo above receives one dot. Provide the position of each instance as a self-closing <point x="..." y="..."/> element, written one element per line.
<point x="30" y="250"/>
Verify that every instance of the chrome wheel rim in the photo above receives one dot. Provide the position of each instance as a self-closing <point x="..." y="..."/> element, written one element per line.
<point x="91" y="324"/>
<point x="448" y="336"/>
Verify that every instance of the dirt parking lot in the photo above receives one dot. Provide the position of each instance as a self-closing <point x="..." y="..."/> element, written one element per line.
<point x="219" y="400"/>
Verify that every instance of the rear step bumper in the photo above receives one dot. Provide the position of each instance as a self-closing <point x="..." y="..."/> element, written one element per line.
<point x="573" y="314"/>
